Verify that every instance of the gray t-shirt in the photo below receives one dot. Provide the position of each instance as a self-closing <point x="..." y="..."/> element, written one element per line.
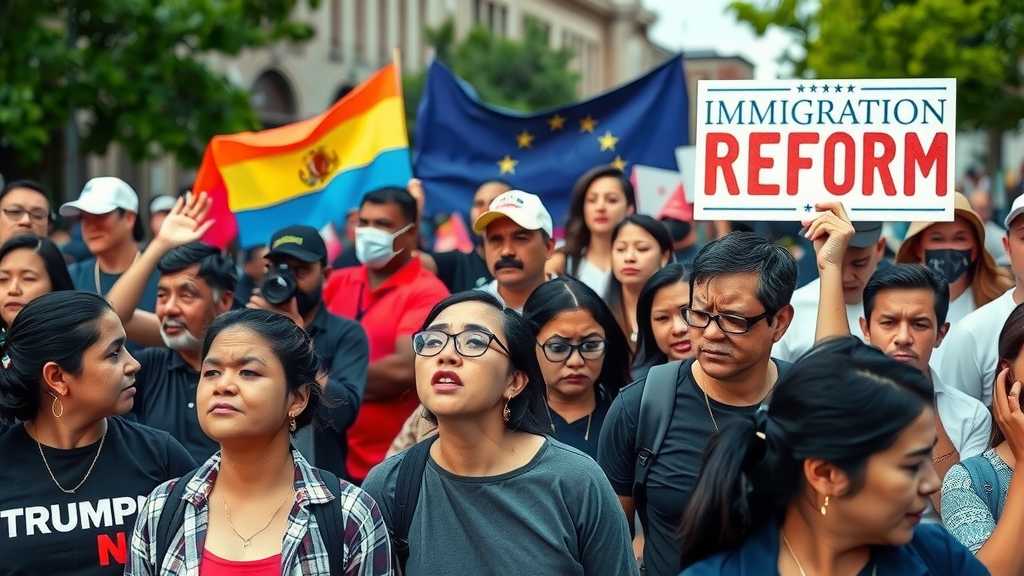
<point x="557" y="515"/>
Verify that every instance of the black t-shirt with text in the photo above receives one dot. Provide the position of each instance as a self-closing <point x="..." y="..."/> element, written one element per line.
<point x="673" y="474"/>
<point x="87" y="533"/>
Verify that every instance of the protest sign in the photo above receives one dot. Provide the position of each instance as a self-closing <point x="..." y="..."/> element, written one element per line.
<point x="686" y="159"/>
<point x="769" y="150"/>
<point x="654" y="187"/>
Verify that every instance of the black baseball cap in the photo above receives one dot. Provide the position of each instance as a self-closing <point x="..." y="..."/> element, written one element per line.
<point x="300" y="242"/>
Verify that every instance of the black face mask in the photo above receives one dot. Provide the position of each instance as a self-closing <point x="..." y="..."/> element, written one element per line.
<point x="306" y="301"/>
<point x="948" y="263"/>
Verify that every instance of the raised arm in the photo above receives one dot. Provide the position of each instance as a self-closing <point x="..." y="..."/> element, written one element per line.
<point x="184" y="224"/>
<point x="830" y="232"/>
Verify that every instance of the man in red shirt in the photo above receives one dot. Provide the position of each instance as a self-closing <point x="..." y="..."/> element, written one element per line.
<point x="390" y="294"/>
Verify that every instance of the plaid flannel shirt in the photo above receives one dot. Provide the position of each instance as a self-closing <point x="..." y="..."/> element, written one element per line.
<point x="366" y="547"/>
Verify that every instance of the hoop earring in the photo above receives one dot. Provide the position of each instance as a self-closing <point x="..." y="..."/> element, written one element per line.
<point x="506" y="414"/>
<point x="53" y="407"/>
<point x="291" y="424"/>
<point x="824" y="507"/>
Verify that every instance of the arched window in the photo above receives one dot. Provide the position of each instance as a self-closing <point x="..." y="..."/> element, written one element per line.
<point x="273" y="99"/>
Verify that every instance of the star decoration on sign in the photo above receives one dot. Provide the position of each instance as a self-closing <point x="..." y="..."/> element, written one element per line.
<point x="814" y="88"/>
<point x="607" y="141"/>
<point x="849" y="88"/>
<point x="807" y="207"/>
<point x="507" y="165"/>
<point x="524" y="139"/>
<point x="588" y="124"/>
<point x="619" y="163"/>
<point x="824" y="88"/>
<point x="800" y="88"/>
<point x="556" y="122"/>
<point x="839" y="88"/>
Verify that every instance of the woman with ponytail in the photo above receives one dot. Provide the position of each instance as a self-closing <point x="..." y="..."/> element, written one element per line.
<point x="832" y="478"/>
<point x="73" y="473"/>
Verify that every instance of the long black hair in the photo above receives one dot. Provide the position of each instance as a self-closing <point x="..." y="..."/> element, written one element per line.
<point x="656" y="229"/>
<point x="648" y="354"/>
<point x="53" y="260"/>
<point x="291" y="345"/>
<point x="529" y="408"/>
<point x="565" y="293"/>
<point x="1011" y="340"/>
<point x="56" y="327"/>
<point x="577" y="235"/>
<point x="753" y="469"/>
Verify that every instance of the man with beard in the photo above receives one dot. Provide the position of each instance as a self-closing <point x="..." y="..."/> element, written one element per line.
<point x="517" y="242"/>
<point x="340" y="343"/>
<point x="196" y="285"/>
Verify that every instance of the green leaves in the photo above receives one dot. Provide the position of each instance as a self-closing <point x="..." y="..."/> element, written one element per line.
<point x="137" y="71"/>
<point x="979" y="42"/>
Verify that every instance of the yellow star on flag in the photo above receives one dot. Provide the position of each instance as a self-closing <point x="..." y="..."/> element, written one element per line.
<point x="556" y="122"/>
<point x="507" y="165"/>
<point x="619" y="163"/>
<point x="524" y="139"/>
<point x="607" y="141"/>
<point x="588" y="124"/>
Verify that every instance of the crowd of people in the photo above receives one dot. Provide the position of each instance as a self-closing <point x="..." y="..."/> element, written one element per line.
<point x="640" y="396"/>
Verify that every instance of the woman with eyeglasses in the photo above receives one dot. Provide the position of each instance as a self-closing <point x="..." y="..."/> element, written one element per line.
<point x="497" y="495"/>
<point x="583" y="357"/>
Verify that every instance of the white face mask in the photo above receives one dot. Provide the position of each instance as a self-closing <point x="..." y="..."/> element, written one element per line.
<point x="376" y="247"/>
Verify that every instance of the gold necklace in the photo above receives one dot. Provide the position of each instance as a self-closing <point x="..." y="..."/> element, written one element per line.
<point x="87" y="472"/>
<point x="96" y="273"/>
<point x="789" y="548"/>
<point x="247" y="541"/>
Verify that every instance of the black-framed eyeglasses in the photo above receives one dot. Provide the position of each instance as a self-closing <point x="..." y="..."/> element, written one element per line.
<point x="558" y="350"/>
<point x="15" y="213"/>
<point x="728" y="323"/>
<point x="470" y="343"/>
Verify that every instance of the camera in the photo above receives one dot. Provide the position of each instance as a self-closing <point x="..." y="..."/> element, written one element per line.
<point x="279" y="285"/>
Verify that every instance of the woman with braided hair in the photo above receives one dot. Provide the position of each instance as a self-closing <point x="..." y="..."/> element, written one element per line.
<point x="832" y="478"/>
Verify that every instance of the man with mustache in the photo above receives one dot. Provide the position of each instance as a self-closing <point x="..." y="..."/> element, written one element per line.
<point x="516" y="230"/>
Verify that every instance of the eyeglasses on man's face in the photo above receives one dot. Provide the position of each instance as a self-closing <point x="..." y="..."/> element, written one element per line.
<point x="560" y="350"/>
<point x="16" y="213"/>
<point x="470" y="343"/>
<point x="728" y="323"/>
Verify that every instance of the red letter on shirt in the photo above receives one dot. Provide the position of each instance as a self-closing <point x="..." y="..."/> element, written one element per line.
<point x="105" y="547"/>
<point x="878" y="163"/>
<point x="833" y="187"/>
<point x="914" y="156"/>
<point x="713" y="162"/>
<point x="796" y="162"/>
<point x="756" y="163"/>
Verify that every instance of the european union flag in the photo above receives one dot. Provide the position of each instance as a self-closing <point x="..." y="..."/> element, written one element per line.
<point x="461" y="142"/>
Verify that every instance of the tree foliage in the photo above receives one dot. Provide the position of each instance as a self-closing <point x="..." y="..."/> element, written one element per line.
<point x="978" y="42"/>
<point x="526" y="75"/>
<point x="137" y="71"/>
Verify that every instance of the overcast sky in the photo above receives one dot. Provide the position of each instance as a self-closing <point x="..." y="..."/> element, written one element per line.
<point x="703" y="24"/>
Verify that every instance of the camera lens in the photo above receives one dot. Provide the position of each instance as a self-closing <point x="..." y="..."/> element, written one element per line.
<point x="278" y="285"/>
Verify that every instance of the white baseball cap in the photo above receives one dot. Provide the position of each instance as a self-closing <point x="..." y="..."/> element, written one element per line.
<point x="1016" y="210"/>
<point x="101" y="196"/>
<point x="523" y="208"/>
<point x="161" y="203"/>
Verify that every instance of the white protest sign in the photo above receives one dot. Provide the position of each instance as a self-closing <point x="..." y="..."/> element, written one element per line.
<point x="770" y="150"/>
<point x="654" y="187"/>
<point x="686" y="160"/>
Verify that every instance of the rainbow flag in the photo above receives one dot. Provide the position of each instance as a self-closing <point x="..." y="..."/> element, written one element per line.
<point x="310" y="172"/>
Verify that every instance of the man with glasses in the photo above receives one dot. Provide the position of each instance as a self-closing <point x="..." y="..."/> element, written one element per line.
<point x="739" y="307"/>
<point x="26" y="210"/>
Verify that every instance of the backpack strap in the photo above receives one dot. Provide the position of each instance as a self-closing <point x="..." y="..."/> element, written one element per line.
<point x="407" y="493"/>
<point x="985" y="482"/>
<point x="171" y="520"/>
<point x="329" y="521"/>
<point x="656" y="407"/>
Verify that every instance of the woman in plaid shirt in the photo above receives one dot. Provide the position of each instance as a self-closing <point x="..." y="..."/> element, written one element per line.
<point x="252" y="508"/>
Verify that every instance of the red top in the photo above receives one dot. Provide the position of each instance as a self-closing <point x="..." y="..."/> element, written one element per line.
<point x="395" y="309"/>
<point x="213" y="565"/>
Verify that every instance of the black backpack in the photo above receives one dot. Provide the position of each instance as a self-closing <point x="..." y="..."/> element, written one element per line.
<point x="657" y="405"/>
<point x="328" y="519"/>
<point x="407" y="494"/>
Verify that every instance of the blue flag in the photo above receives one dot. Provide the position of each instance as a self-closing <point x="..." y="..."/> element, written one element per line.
<point x="461" y="142"/>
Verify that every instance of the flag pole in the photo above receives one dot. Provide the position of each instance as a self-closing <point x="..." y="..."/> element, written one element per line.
<point x="396" y="59"/>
